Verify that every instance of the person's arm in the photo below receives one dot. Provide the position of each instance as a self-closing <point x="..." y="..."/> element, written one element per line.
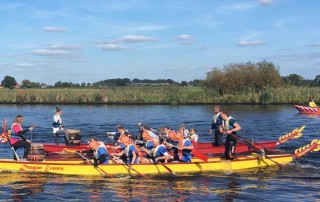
<point x="236" y="126"/>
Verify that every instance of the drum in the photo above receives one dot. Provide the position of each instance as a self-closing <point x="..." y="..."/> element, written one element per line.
<point x="36" y="152"/>
<point x="73" y="137"/>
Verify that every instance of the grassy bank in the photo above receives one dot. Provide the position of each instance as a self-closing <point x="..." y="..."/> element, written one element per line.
<point x="155" y="95"/>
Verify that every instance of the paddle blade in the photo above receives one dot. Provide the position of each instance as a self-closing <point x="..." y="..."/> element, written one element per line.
<point x="200" y="156"/>
<point x="296" y="133"/>
<point x="312" y="147"/>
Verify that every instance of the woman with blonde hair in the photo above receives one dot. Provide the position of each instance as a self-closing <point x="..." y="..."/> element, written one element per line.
<point x="17" y="140"/>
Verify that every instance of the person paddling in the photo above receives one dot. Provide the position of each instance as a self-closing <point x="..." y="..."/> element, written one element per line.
<point x="100" y="152"/>
<point x="229" y="126"/>
<point x="130" y="151"/>
<point x="157" y="154"/>
<point x="17" y="140"/>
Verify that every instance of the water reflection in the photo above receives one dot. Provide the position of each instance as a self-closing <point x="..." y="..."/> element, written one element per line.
<point x="22" y="185"/>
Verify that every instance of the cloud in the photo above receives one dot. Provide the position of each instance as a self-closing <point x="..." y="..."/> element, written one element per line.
<point x="137" y="39"/>
<point x="265" y="2"/>
<point x="251" y="43"/>
<point x="64" y="46"/>
<point x="185" y="39"/>
<point x="45" y="52"/>
<point x="54" y="29"/>
<point x="112" y="47"/>
<point x="24" y="65"/>
<point x="243" y="6"/>
<point x="315" y="45"/>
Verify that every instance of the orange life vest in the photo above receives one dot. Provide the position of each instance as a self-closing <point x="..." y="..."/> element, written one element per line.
<point x="175" y="136"/>
<point x="145" y="135"/>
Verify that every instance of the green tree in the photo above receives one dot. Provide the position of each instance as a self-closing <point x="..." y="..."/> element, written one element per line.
<point x="9" y="82"/>
<point x="26" y="83"/>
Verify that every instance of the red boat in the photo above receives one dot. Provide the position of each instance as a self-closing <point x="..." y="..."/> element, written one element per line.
<point x="307" y="110"/>
<point x="204" y="148"/>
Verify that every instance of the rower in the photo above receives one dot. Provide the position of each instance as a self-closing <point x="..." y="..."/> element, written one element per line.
<point x="130" y="151"/>
<point x="174" y="138"/>
<point x="101" y="155"/>
<point x="157" y="154"/>
<point x="229" y="127"/>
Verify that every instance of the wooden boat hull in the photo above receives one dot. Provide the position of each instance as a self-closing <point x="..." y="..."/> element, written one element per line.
<point x="307" y="110"/>
<point x="204" y="148"/>
<point x="197" y="166"/>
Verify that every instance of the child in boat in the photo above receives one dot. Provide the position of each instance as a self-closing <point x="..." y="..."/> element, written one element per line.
<point x="17" y="140"/>
<point x="312" y="103"/>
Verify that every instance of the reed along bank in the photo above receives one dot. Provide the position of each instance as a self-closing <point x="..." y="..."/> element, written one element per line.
<point x="173" y="95"/>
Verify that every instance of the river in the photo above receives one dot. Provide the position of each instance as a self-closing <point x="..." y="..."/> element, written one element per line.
<point x="299" y="181"/>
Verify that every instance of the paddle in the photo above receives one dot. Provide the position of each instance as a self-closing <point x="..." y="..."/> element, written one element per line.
<point x="144" y="176"/>
<point x="256" y="149"/>
<point x="108" y="175"/>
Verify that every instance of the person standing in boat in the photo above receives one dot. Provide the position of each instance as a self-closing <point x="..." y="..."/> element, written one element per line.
<point x="100" y="152"/>
<point x="229" y="127"/>
<point x="216" y="122"/>
<point x="17" y="140"/>
<point x="57" y="125"/>
<point x="312" y="103"/>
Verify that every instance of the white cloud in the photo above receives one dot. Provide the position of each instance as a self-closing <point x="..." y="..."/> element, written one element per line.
<point x="112" y="47"/>
<point x="251" y="43"/>
<point x="137" y="39"/>
<point x="53" y="29"/>
<point x="265" y="2"/>
<point x="44" y="52"/>
<point x="243" y="6"/>
<point x="24" y="65"/>
<point x="184" y="37"/>
<point x="64" y="46"/>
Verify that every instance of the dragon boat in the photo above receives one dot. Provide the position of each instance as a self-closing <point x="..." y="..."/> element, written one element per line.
<point x="307" y="110"/>
<point x="204" y="148"/>
<point x="77" y="167"/>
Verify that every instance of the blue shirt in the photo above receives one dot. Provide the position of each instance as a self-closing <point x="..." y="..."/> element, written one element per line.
<point x="186" y="153"/>
<point x="130" y="155"/>
<point x="102" y="151"/>
<point x="161" y="151"/>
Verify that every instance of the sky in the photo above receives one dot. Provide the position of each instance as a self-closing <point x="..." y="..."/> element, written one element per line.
<point x="80" y="41"/>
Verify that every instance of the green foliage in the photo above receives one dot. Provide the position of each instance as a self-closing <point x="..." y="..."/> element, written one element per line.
<point x="266" y="96"/>
<point x="236" y="78"/>
<point x="9" y="82"/>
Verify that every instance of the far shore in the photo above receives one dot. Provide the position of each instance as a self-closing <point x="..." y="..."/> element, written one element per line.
<point x="168" y="95"/>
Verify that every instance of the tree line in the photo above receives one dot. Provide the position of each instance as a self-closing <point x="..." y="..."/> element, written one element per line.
<point x="232" y="78"/>
<point x="252" y="77"/>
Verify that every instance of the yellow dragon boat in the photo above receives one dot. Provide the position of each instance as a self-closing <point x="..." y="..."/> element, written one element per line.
<point x="78" y="167"/>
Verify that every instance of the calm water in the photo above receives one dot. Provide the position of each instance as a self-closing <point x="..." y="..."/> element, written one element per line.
<point x="300" y="181"/>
